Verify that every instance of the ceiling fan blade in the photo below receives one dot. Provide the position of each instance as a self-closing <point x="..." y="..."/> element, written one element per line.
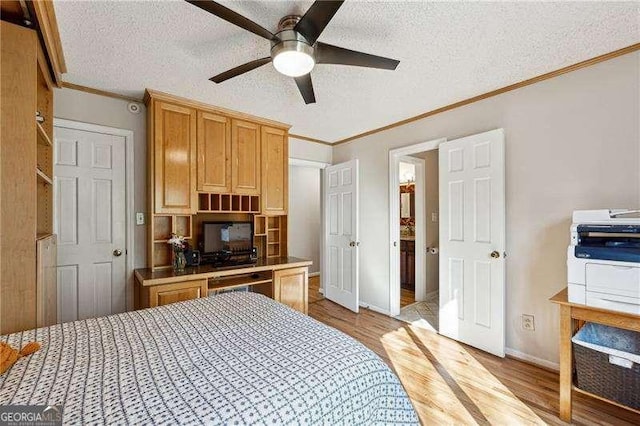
<point x="234" y="72"/>
<point x="306" y="88"/>
<point x="232" y="17"/>
<point x="316" y="19"/>
<point x="328" y="54"/>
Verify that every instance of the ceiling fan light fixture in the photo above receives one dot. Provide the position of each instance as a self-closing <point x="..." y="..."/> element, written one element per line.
<point x="293" y="63"/>
<point x="291" y="55"/>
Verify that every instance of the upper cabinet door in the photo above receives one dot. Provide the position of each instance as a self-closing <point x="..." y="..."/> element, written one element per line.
<point x="175" y="159"/>
<point x="245" y="157"/>
<point x="275" y="171"/>
<point x="214" y="153"/>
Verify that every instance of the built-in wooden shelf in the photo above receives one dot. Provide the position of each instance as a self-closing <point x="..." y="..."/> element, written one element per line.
<point x="228" y="203"/>
<point x="43" y="138"/>
<point x="42" y="176"/>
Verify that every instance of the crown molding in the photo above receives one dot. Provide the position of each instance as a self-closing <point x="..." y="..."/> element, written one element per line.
<point x="154" y="94"/>
<point x="66" y="85"/>
<point x="308" y="139"/>
<point x="524" y="83"/>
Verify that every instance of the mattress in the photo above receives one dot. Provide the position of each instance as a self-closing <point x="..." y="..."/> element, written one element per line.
<point x="236" y="358"/>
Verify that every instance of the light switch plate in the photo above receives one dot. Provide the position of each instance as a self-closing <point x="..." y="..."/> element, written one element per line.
<point x="434" y="217"/>
<point x="139" y="218"/>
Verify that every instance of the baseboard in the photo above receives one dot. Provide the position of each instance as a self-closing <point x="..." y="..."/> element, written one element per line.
<point x="521" y="356"/>
<point x="432" y="293"/>
<point x="375" y="309"/>
<point x="314" y="274"/>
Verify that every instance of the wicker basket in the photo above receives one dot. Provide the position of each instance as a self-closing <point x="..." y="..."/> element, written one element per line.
<point x="607" y="363"/>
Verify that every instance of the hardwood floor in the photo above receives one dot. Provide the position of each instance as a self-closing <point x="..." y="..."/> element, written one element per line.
<point x="407" y="297"/>
<point x="452" y="383"/>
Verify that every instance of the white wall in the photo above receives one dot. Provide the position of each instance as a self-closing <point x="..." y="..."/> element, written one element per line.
<point x="572" y="143"/>
<point x="304" y="221"/>
<point x="89" y="108"/>
<point x="305" y="150"/>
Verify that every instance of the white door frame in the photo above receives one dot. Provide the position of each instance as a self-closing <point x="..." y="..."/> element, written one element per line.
<point x="129" y="188"/>
<point x="395" y="155"/>
<point x="300" y="162"/>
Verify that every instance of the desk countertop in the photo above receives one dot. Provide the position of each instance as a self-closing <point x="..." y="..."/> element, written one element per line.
<point x="562" y="298"/>
<point x="148" y="277"/>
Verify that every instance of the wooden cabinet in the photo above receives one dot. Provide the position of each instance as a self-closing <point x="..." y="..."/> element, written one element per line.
<point x="245" y="157"/>
<point x="208" y="160"/>
<point x="408" y="264"/>
<point x="290" y="287"/>
<point x="214" y="153"/>
<point x="46" y="281"/>
<point x="174" y="155"/>
<point x="164" y="294"/>
<point x="275" y="171"/>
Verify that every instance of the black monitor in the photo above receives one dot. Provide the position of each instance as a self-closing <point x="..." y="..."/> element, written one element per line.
<point x="226" y="238"/>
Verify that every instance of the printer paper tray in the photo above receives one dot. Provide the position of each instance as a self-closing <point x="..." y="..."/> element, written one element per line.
<point x="630" y="305"/>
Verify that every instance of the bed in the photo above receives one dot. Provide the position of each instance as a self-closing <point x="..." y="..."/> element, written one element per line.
<point x="236" y="358"/>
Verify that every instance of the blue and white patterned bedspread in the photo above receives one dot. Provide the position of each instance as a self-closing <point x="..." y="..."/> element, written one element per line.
<point x="238" y="358"/>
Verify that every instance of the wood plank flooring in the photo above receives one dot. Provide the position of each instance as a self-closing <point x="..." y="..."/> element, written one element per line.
<point x="450" y="383"/>
<point x="407" y="297"/>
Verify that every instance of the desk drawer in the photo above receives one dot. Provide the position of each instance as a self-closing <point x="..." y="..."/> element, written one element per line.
<point x="613" y="279"/>
<point x="164" y="294"/>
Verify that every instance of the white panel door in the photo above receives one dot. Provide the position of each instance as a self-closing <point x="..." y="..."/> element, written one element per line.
<point x="340" y="274"/>
<point x="89" y="170"/>
<point x="472" y="241"/>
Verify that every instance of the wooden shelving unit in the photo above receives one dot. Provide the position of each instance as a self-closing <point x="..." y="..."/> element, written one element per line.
<point x="228" y="203"/>
<point x="270" y="235"/>
<point x="162" y="226"/>
<point x="27" y="277"/>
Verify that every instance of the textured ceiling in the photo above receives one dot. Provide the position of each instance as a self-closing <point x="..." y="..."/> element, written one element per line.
<point x="448" y="52"/>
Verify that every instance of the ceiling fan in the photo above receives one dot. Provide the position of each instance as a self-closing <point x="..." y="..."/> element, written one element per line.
<point x="295" y="48"/>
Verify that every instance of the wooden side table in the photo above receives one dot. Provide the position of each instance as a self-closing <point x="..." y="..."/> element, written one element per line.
<point x="572" y="316"/>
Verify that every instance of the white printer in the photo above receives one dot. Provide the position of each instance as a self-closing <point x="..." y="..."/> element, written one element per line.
<point x="603" y="260"/>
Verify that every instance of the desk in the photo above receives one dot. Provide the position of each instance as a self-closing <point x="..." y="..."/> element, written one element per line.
<point x="285" y="279"/>
<point x="572" y="316"/>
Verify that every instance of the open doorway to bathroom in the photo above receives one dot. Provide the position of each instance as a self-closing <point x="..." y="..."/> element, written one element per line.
<point x="415" y="234"/>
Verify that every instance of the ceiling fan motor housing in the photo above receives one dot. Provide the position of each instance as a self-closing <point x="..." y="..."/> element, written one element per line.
<point x="290" y="41"/>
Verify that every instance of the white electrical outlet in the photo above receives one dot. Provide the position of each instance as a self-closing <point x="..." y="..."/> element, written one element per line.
<point x="139" y="218"/>
<point x="528" y="322"/>
<point x="434" y="217"/>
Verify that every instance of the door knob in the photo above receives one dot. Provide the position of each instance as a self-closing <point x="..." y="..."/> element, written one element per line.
<point x="117" y="252"/>
<point x="353" y="244"/>
<point x="495" y="254"/>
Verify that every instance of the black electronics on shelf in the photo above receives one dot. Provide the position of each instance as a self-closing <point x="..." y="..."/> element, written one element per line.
<point x="227" y="243"/>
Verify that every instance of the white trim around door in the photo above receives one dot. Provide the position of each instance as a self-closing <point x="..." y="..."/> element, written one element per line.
<point x="129" y="185"/>
<point x="395" y="156"/>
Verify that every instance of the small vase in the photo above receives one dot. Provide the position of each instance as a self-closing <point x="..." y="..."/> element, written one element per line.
<point x="179" y="261"/>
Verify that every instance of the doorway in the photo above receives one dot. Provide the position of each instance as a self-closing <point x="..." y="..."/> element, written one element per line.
<point x="414" y="215"/>
<point x="471" y="227"/>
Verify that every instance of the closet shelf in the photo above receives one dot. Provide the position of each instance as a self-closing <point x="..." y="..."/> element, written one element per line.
<point x="43" y="138"/>
<point x="42" y="176"/>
